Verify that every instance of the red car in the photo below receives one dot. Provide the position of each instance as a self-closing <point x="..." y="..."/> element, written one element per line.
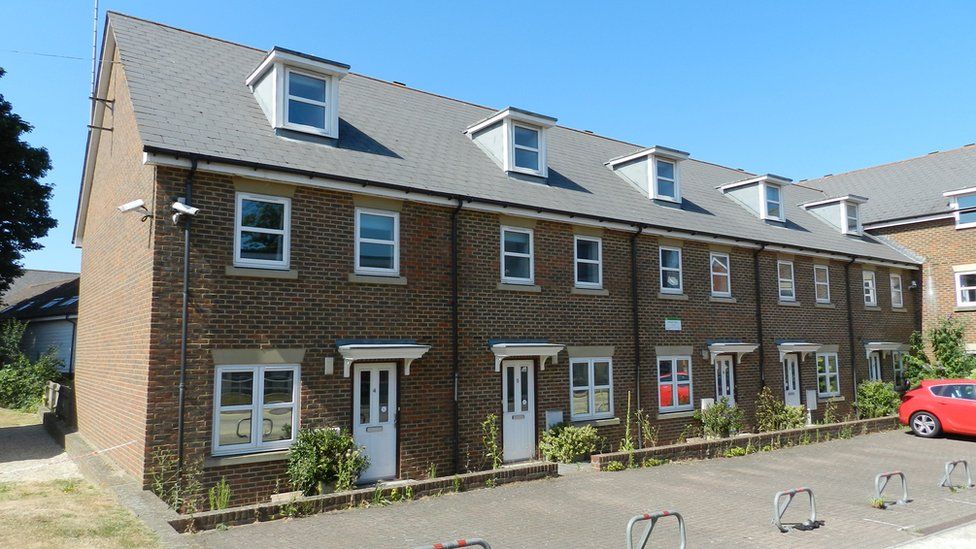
<point x="940" y="405"/>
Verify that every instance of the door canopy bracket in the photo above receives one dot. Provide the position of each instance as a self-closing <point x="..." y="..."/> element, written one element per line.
<point x="544" y="351"/>
<point x="407" y="352"/>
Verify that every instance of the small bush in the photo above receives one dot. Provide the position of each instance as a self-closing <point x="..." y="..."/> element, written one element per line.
<point x="568" y="443"/>
<point x="615" y="466"/>
<point x="219" y="495"/>
<point x="736" y="451"/>
<point x="720" y="420"/>
<point x="829" y="413"/>
<point x="876" y="399"/>
<point x="653" y="462"/>
<point x="322" y="457"/>
<point x="22" y="380"/>
<point x="773" y="415"/>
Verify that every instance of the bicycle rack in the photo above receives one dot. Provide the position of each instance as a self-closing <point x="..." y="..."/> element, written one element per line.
<point x="780" y="510"/>
<point x="458" y="543"/>
<point x="950" y="466"/>
<point x="653" y="517"/>
<point x="881" y="481"/>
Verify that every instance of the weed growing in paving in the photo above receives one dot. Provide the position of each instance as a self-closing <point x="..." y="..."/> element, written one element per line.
<point x="614" y="466"/>
<point x="653" y="462"/>
<point x="457" y="483"/>
<point x="878" y="503"/>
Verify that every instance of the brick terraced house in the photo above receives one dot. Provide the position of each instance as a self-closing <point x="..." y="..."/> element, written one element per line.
<point x="365" y="255"/>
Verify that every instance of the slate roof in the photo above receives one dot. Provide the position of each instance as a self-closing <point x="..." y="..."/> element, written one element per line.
<point x="189" y="96"/>
<point x="60" y="300"/>
<point x="33" y="282"/>
<point x="908" y="188"/>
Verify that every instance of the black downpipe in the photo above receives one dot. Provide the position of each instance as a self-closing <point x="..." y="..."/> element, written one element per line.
<point x="759" y="319"/>
<point x="185" y="316"/>
<point x="850" y="324"/>
<point x="455" y="336"/>
<point x="636" y="322"/>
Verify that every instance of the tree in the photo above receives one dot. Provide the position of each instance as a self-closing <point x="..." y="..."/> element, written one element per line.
<point x="24" y="215"/>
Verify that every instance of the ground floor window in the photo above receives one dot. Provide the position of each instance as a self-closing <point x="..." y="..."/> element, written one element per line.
<point x="591" y="392"/>
<point x="674" y="383"/>
<point x="828" y="375"/>
<point x="255" y="407"/>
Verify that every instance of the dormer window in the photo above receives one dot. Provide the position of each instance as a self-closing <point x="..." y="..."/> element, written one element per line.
<point x="774" y="205"/>
<point x="852" y="218"/>
<point x="842" y="212"/>
<point x="298" y="92"/>
<point x="515" y="139"/>
<point x="655" y="171"/>
<point x="964" y="205"/>
<point x="762" y="195"/>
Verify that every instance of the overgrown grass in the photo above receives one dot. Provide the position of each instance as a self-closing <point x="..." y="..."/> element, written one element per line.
<point x="15" y="418"/>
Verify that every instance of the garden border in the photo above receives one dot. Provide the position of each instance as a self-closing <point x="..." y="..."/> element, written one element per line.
<point x="716" y="448"/>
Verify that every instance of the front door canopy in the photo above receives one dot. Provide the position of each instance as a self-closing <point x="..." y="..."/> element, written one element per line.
<point x="407" y="352"/>
<point x="738" y="349"/>
<point x="802" y="348"/>
<point x="883" y="347"/>
<point x="544" y="351"/>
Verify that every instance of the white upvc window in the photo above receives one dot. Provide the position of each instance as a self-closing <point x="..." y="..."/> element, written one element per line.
<point x="671" y="280"/>
<point x="674" y="383"/>
<point x="787" y="283"/>
<point x="870" y="288"/>
<point x="772" y="202"/>
<point x="527" y="149"/>
<point x="821" y="283"/>
<point x="255" y="407"/>
<point x="898" y="360"/>
<point x="897" y="295"/>
<point x="666" y="180"/>
<point x="306" y="101"/>
<point x="517" y="261"/>
<point x="591" y="388"/>
<point x="588" y="259"/>
<point x="966" y="289"/>
<point x="828" y="375"/>
<point x="851" y="221"/>
<point x="721" y="274"/>
<point x="965" y="211"/>
<point x="262" y="231"/>
<point x="377" y="242"/>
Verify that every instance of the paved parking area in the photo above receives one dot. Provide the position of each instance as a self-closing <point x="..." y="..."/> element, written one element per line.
<point x="726" y="502"/>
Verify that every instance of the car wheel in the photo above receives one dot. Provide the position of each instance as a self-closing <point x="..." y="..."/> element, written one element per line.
<point x="925" y="424"/>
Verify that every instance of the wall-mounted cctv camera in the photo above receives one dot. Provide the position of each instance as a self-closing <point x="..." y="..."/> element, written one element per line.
<point x="182" y="208"/>
<point x="132" y="206"/>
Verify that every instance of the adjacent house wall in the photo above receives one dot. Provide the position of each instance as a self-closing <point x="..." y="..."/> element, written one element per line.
<point x="42" y="336"/>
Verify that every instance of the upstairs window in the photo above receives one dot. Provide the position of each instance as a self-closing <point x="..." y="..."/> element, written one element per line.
<point x="852" y="220"/>
<point x="773" y="208"/>
<point x="897" y="295"/>
<point x="966" y="289"/>
<point x="262" y="231"/>
<point x="526" y="147"/>
<point x="720" y="274"/>
<point x="787" y="285"/>
<point x="517" y="264"/>
<point x="665" y="180"/>
<point x="965" y="211"/>
<point x="377" y="242"/>
<point x="870" y="289"/>
<point x="671" y="282"/>
<point x="589" y="262"/>
<point x="305" y="104"/>
<point x="821" y="283"/>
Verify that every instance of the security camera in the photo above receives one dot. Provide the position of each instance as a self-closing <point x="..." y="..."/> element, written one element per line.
<point x="182" y="208"/>
<point x="132" y="206"/>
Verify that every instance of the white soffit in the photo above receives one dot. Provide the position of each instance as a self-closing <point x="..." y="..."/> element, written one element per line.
<point x="802" y="348"/>
<point x="407" y="352"/>
<point x="883" y="347"/>
<point x="738" y="349"/>
<point x="544" y="351"/>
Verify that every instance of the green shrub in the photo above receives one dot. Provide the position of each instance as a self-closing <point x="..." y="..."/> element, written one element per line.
<point x="947" y="340"/>
<point x="736" y="451"/>
<point x="653" y="462"/>
<point x="489" y="440"/>
<point x="615" y="466"/>
<point x="22" y="381"/>
<point x="219" y="495"/>
<point x="876" y="399"/>
<point x="773" y="415"/>
<point x="721" y="420"/>
<point x="320" y="457"/>
<point x="568" y="443"/>
<point x="829" y="413"/>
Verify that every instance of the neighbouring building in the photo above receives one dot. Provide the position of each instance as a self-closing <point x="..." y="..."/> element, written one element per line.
<point x="47" y="301"/>
<point x="369" y="256"/>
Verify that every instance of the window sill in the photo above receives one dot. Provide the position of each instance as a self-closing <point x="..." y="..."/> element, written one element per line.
<point x="872" y="308"/>
<point x="534" y="288"/>
<point x="600" y="422"/>
<point x="721" y="299"/>
<point x="589" y="291"/>
<point x="676" y="415"/>
<point x="830" y="399"/>
<point x="244" y="459"/>
<point x="964" y="308"/>
<point x="899" y="310"/>
<point x="789" y="303"/>
<point x="674" y="297"/>
<point x="256" y="272"/>
<point x="825" y="305"/>
<point x="377" y="279"/>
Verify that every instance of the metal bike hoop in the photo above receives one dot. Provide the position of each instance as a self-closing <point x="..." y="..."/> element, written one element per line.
<point x="950" y="466"/>
<point x="646" y="536"/>
<point x="779" y="510"/>
<point x="881" y="481"/>
<point x="458" y="543"/>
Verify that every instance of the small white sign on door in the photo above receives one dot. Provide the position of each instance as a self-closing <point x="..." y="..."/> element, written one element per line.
<point x="672" y="324"/>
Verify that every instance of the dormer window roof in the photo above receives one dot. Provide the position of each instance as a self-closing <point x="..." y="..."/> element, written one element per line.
<point x="963" y="203"/>
<point x="655" y="170"/>
<point x="299" y="92"/>
<point x="516" y="139"/>
<point x="763" y="195"/>
<point x="842" y="212"/>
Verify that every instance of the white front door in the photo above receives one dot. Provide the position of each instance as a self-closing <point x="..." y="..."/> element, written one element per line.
<point x="791" y="380"/>
<point x="724" y="379"/>
<point x="874" y="366"/>
<point x="518" y="410"/>
<point x="374" y="418"/>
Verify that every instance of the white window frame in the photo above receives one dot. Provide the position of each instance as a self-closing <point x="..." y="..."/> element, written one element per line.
<point x="395" y="271"/>
<point x="956" y="208"/>
<point x="656" y="194"/>
<point x="591" y="388"/>
<point x="818" y="285"/>
<point x="326" y="129"/>
<point x="285" y="231"/>
<point x="897" y="291"/>
<point x="870" y="291"/>
<point x="764" y="210"/>
<point x="540" y="151"/>
<point x="898" y="368"/>
<point x="674" y="384"/>
<point x="780" y="280"/>
<point x="661" y="269"/>
<point x="960" y="289"/>
<point x="598" y="262"/>
<point x="256" y="407"/>
<point x="845" y="218"/>
<point x="530" y="255"/>
<point x="712" y="256"/>
<point x="835" y="374"/>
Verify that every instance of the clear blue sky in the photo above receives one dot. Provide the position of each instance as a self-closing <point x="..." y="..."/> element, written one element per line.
<point x="800" y="89"/>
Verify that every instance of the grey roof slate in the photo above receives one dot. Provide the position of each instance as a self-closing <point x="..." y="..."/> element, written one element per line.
<point x="33" y="282"/>
<point x="189" y="96"/>
<point x="42" y="304"/>
<point x="908" y="188"/>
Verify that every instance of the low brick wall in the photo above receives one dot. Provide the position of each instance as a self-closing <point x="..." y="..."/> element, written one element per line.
<point x="716" y="448"/>
<point x="330" y="502"/>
